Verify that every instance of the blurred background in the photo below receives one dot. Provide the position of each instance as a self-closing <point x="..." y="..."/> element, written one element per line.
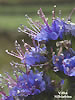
<point x="12" y="14"/>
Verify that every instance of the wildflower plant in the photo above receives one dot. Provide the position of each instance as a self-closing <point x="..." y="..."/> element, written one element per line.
<point x="50" y="51"/>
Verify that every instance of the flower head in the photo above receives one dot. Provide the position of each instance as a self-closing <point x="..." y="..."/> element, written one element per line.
<point x="69" y="66"/>
<point x="65" y="62"/>
<point x="44" y="32"/>
<point x="31" y="56"/>
<point x="28" y="84"/>
<point x="58" y="26"/>
<point x="25" y="84"/>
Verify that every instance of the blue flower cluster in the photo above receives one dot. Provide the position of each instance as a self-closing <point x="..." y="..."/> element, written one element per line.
<point x="46" y="32"/>
<point x="34" y="82"/>
<point x="34" y="56"/>
<point x="25" y="84"/>
<point x="58" y="29"/>
<point x="28" y="84"/>
<point x="65" y="62"/>
<point x="69" y="66"/>
<point x="52" y="32"/>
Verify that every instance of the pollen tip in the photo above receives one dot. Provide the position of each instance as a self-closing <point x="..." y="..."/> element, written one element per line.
<point x="26" y="16"/>
<point x="6" y="51"/>
<point x="54" y="6"/>
<point x="22" y="40"/>
<point x="16" y="41"/>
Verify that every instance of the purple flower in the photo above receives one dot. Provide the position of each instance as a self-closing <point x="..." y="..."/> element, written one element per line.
<point x="57" y="61"/>
<point x="28" y="83"/>
<point x="32" y="55"/>
<point x="34" y="58"/>
<point x="73" y="29"/>
<point x="70" y="28"/>
<point x="51" y="33"/>
<point x="67" y="65"/>
<point x="69" y="53"/>
<point x="46" y="34"/>
<point x="58" y="26"/>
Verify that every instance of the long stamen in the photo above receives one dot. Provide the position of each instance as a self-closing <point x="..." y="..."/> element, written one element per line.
<point x="39" y="24"/>
<point x="24" y="31"/>
<point x="31" y="31"/>
<point x="28" y="33"/>
<point x="2" y="93"/>
<point x="8" y="81"/>
<point x="17" y="64"/>
<point x="41" y="14"/>
<point x="69" y="17"/>
<point x="53" y="12"/>
<point x="59" y="13"/>
<point x="33" y="27"/>
<point x="25" y="44"/>
<point x="19" y="49"/>
<point x="11" y="79"/>
<point x="32" y="22"/>
<point x="13" y="54"/>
